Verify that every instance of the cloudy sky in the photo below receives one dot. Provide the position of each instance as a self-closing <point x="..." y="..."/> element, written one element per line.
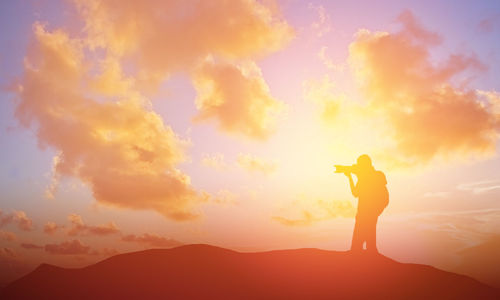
<point x="127" y="125"/>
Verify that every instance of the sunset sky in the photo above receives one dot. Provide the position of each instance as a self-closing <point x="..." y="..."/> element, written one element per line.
<point x="127" y="125"/>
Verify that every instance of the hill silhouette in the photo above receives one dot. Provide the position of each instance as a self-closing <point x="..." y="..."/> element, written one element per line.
<point x="208" y="272"/>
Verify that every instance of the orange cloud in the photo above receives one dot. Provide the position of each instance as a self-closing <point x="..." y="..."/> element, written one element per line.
<point x="229" y="31"/>
<point x="428" y="116"/>
<point x="72" y="247"/>
<point x="320" y="210"/>
<point x="237" y="97"/>
<point x="118" y="147"/>
<point x="51" y="228"/>
<point x="248" y="162"/>
<point x="31" y="246"/>
<point x="226" y="29"/>
<point x="221" y="197"/>
<point x="17" y="217"/>
<point x="328" y="62"/>
<point x="7" y="236"/>
<point x="81" y="102"/>
<point x="224" y="197"/>
<point x="78" y="227"/>
<point x="323" y="24"/>
<point x="322" y="93"/>
<point x="255" y="164"/>
<point x="152" y="240"/>
<point x="215" y="161"/>
<point x="305" y="219"/>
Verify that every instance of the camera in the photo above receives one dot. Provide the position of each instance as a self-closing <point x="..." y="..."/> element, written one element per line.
<point x="345" y="169"/>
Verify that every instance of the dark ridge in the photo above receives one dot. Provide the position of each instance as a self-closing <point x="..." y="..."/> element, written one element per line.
<point x="208" y="272"/>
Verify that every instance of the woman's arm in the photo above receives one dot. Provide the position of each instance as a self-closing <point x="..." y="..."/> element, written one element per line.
<point x="354" y="191"/>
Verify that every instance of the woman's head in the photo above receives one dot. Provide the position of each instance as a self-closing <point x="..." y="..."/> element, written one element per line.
<point x="364" y="164"/>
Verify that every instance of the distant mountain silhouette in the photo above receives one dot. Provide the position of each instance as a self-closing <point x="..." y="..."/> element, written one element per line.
<point x="208" y="272"/>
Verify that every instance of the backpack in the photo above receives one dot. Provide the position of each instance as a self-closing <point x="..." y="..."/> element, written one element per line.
<point x="382" y="194"/>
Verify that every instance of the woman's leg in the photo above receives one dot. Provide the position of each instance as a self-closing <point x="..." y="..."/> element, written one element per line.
<point x="357" y="237"/>
<point x="371" y="233"/>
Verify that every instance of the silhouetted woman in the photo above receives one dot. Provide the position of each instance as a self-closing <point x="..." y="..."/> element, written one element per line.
<point x="373" y="197"/>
